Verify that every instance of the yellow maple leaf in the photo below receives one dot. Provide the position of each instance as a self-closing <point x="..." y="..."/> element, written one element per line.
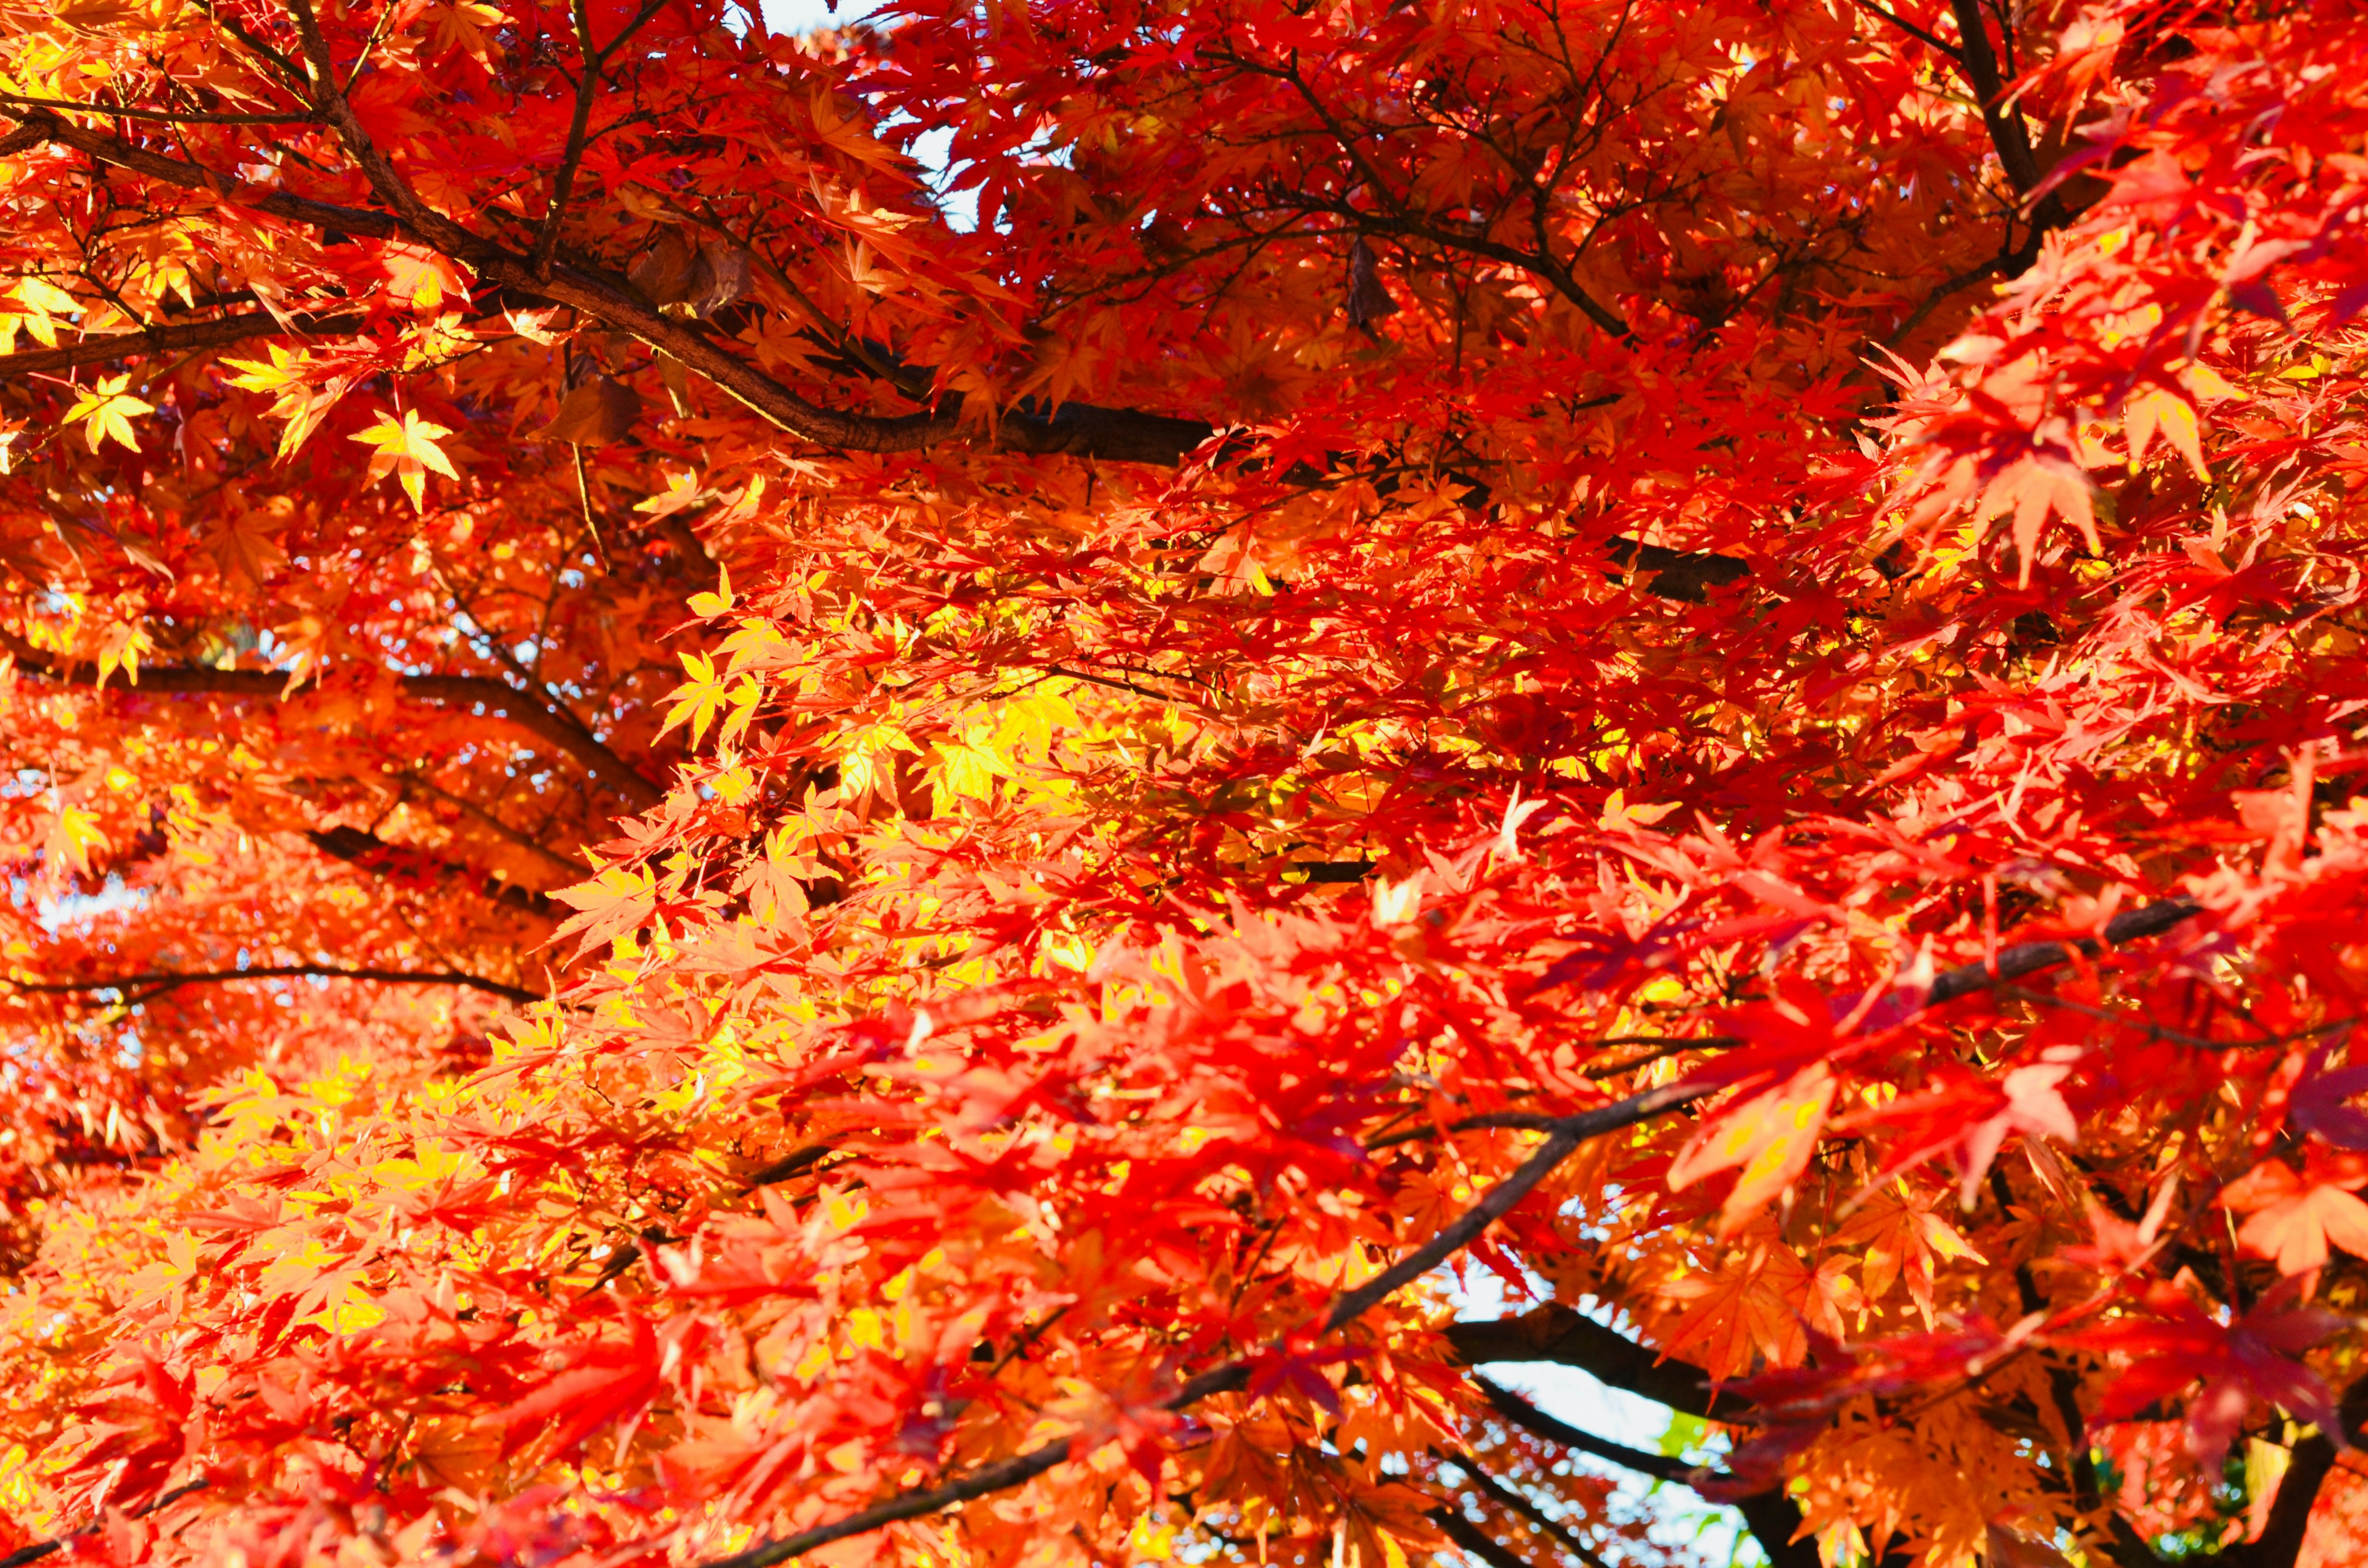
<point x="300" y="402"/>
<point x="464" y="25"/>
<point x="707" y="694"/>
<point x="408" y="450"/>
<point x="2159" y="412"/>
<point x="107" y="409"/>
<point x="1771" y="1138"/>
<point x="283" y="368"/>
<point x="716" y="603"/>
<point x="966" y="770"/>
<point x="73" y="836"/>
<point x="45" y="304"/>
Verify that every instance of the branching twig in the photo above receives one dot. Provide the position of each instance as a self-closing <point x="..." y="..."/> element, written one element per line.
<point x="157" y="983"/>
<point x="41" y="1549"/>
<point x="538" y="717"/>
<point x="176" y="117"/>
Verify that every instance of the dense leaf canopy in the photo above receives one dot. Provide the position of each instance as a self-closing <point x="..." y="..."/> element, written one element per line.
<point x="726" y="845"/>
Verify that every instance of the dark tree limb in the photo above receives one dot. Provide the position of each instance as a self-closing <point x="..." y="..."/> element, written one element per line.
<point x="1522" y="1414"/>
<point x="795" y="1163"/>
<point x="2010" y="135"/>
<point x="1568" y="1337"/>
<point x="2313" y="1460"/>
<point x="168" y="116"/>
<point x="2032" y="957"/>
<point x="1773" y="1519"/>
<point x="1677" y="574"/>
<point x="1020" y="1469"/>
<point x="139" y="988"/>
<point x="41" y="1549"/>
<point x="173" y="339"/>
<point x="1475" y="1540"/>
<point x="1634" y="1367"/>
<point x="541" y="718"/>
<point x="1513" y="1502"/>
<point x="368" y="850"/>
<point x="1929" y="40"/>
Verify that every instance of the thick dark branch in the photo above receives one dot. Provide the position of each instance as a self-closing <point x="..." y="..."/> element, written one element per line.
<point x="178" y="339"/>
<point x="2313" y="1459"/>
<point x="157" y="983"/>
<point x="2031" y="957"/>
<point x="1678" y="574"/>
<point x="170" y="116"/>
<point x="1563" y="1138"/>
<point x="371" y="852"/>
<point x="1911" y="29"/>
<point x="1562" y="1142"/>
<point x="1476" y="1542"/>
<point x="1617" y="1359"/>
<point x="1559" y="1334"/>
<point x="1773" y="1519"/>
<point x="792" y="1164"/>
<point x="1076" y="429"/>
<point x="1513" y="1502"/>
<point x="2008" y="134"/>
<point x="546" y="238"/>
<point x="41" y="125"/>
<point x="1522" y="1414"/>
<point x="563" y="184"/>
<point x="542" y="720"/>
<point x="41" y="1549"/>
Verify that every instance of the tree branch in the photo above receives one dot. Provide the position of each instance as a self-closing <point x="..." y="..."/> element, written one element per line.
<point x="1562" y="1334"/>
<point x="1677" y="574"/>
<point x="43" y="125"/>
<point x="1911" y="29"/>
<point x="1506" y="1498"/>
<point x="161" y="982"/>
<point x="1075" y="429"/>
<point x="1563" y="1138"/>
<point x="1773" y="1519"/>
<point x="1562" y="1141"/>
<point x="1475" y="1540"/>
<point x="2313" y="1459"/>
<point x="2031" y="957"/>
<point x="41" y="1549"/>
<point x="371" y="852"/>
<point x="1522" y="1414"/>
<point x="2007" y="132"/>
<point x="791" y="1163"/>
<point x="546" y="238"/>
<point x="554" y="726"/>
<point x="172" y="339"/>
<point x="175" y="117"/>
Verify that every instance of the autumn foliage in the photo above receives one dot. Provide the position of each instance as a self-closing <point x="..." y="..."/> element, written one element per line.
<point x="923" y="794"/>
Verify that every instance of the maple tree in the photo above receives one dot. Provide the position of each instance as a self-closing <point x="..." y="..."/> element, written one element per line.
<point x="727" y="848"/>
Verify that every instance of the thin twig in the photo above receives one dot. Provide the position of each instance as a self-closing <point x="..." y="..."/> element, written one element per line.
<point x="584" y="488"/>
<point x="1911" y="29"/>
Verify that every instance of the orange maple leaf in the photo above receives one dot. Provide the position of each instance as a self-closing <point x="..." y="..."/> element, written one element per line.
<point x="407" y="449"/>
